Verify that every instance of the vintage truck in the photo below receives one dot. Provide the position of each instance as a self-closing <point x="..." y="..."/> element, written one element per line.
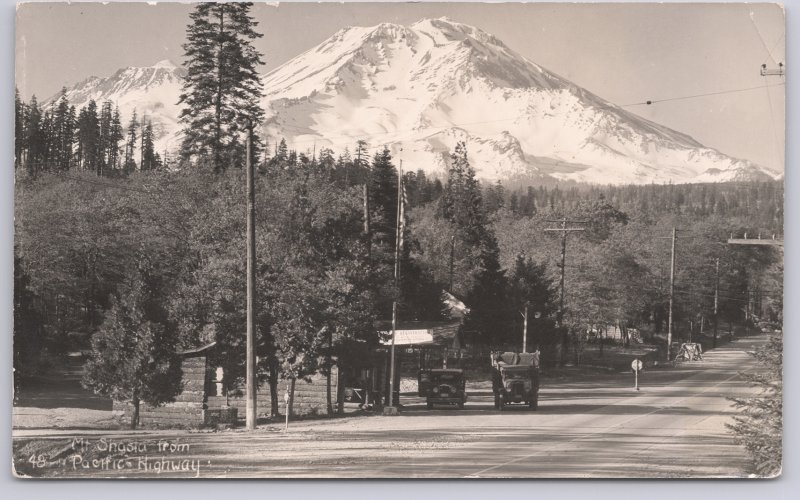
<point x="515" y="379"/>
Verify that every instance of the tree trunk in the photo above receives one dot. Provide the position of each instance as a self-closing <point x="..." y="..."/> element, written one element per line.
<point x="340" y="383"/>
<point x="218" y="104"/>
<point x="329" y="361"/>
<point x="135" y="413"/>
<point x="273" y="390"/>
<point x="291" y="398"/>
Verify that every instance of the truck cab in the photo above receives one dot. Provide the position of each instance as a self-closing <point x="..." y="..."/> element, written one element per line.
<point x="515" y="379"/>
<point x="443" y="387"/>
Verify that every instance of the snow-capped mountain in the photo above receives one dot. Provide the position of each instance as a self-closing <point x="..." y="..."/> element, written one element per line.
<point x="421" y="88"/>
<point x="152" y="91"/>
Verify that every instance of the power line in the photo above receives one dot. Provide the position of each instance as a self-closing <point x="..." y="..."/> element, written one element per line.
<point x="693" y="96"/>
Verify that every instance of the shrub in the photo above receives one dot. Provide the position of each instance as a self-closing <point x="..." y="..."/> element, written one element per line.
<point x="759" y="427"/>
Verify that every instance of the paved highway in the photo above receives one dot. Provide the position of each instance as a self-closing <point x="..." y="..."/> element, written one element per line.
<point x="599" y="428"/>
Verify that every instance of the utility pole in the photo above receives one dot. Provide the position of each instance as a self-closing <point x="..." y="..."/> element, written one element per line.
<point x="452" y="260"/>
<point x="367" y="235"/>
<point x="525" y="330"/>
<point x="390" y="408"/>
<point x="716" y="299"/>
<point x="560" y="318"/>
<point x="671" y="293"/>
<point x="251" y="381"/>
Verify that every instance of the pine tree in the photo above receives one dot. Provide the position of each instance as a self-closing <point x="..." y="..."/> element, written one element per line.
<point x="63" y="133"/>
<point x="110" y="135"/>
<point x="383" y="198"/>
<point x="20" y="113"/>
<point x="48" y="141"/>
<point x="222" y="88"/>
<point x="462" y="204"/>
<point x="130" y="144"/>
<point x="115" y="136"/>
<point x="133" y="353"/>
<point x="759" y="425"/>
<point x="34" y="138"/>
<point x="89" y="137"/>
<point x="149" y="156"/>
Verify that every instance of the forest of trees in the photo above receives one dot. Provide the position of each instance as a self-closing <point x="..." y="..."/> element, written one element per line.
<point x="322" y="285"/>
<point x="60" y="139"/>
<point x="136" y="260"/>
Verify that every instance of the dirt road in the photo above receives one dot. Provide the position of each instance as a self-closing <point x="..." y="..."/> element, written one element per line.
<point x="673" y="427"/>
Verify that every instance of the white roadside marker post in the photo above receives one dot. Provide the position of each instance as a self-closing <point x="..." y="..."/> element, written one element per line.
<point x="636" y="365"/>
<point x="286" y="400"/>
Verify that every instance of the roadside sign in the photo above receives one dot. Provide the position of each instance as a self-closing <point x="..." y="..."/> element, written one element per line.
<point x="637" y="367"/>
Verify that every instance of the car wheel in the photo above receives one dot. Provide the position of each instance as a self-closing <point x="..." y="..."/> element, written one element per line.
<point x="534" y="404"/>
<point x="502" y="402"/>
<point x="430" y="406"/>
<point x="460" y="406"/>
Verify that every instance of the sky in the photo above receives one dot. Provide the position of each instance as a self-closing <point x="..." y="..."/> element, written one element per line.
<point x="625" y="53"/>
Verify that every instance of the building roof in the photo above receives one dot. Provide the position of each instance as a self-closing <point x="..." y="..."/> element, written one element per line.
<point x="196" y="351"/>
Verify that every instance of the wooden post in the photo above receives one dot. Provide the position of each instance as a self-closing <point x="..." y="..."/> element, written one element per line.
<point x="671" y="292"/>
<point x="251" y="381"/>
<point x="525" y="330"/>
<point x="716" y="300"/>
<point x="390" y="409"/>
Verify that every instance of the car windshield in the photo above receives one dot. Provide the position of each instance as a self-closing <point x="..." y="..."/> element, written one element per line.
<point x="516" y="375"/>
<point x="441" y="378"/>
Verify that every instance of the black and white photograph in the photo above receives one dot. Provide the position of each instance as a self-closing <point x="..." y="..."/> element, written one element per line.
<point x="398" y="240"/>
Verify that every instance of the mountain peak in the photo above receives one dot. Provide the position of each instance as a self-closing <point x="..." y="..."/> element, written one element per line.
<point x="165" y="63"/>
<point x="419" y="89"/>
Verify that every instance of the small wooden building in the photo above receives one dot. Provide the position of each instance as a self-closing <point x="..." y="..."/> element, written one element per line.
<point x="203" y="401"/>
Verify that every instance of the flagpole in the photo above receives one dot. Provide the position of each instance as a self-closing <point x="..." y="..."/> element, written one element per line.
<point x="391" y="409"/>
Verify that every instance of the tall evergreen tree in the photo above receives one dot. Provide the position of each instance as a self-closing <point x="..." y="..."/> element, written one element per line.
<point x="34" y="137"/>
<point x="115" y="136"/>
<point x="63" y="133"/>
<point x="462" y="205"/>
<point x="130" y="144"/>
<point x="222" y="89"/>
<point x="19" y="129"/>
<point x="383" y="198"/>
<point x="48" y="141"/>
<point x="133" y="354"/>
<point x="149" y="156"/>
<point x="89" y="137"/>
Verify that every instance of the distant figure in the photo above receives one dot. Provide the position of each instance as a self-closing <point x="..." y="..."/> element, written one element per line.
<point x="515" y="358"/>
<point x="536" y="354"/>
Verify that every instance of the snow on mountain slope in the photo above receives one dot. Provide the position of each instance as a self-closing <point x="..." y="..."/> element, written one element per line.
<point x="152" y="91"/>
<point x="424" y="87"/>
<point x="421" y="88"/>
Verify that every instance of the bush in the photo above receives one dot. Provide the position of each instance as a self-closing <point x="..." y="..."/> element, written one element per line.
<point x="759" y="427"/>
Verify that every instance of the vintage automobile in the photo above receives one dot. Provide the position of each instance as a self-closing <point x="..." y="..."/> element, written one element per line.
<point x="443" y="387"/>
<point x="515" y="379"/>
